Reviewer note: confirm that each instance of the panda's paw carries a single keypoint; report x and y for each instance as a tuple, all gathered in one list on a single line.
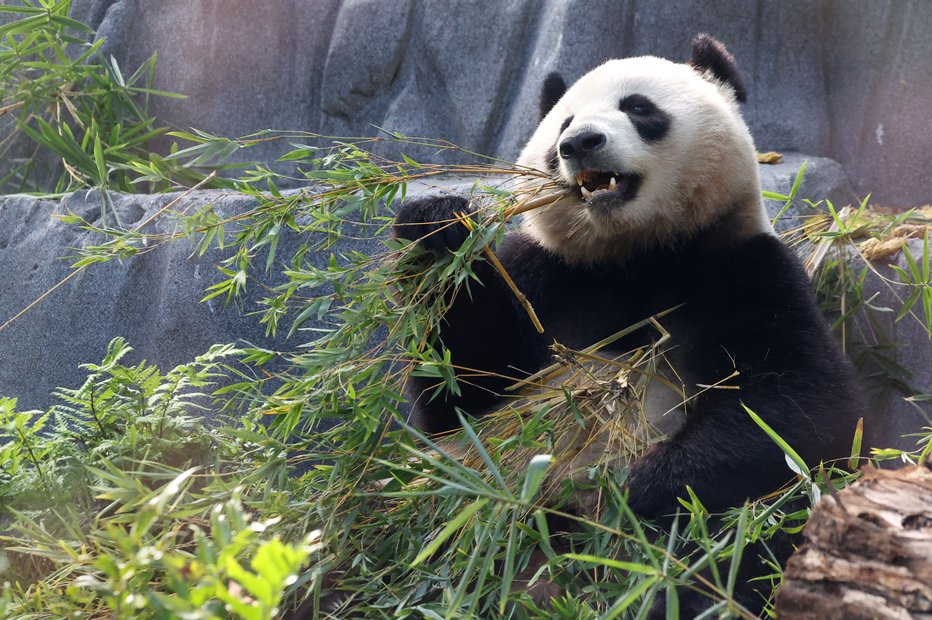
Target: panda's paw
[(433, 222)]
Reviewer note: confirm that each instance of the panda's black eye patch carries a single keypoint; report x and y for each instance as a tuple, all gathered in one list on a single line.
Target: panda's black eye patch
[(566, 123), (637, 104), (651, 123)]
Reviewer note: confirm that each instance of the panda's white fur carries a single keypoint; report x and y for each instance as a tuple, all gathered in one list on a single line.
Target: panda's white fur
[(703, 170)]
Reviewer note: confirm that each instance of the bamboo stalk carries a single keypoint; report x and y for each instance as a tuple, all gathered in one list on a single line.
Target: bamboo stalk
[(527, 204), (497, 264), (530, 203)]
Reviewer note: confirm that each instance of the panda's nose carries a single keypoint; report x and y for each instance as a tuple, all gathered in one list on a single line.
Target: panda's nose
[(580, 145)]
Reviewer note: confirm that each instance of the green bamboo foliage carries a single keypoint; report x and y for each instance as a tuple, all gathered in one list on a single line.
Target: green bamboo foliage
[(73, 117)]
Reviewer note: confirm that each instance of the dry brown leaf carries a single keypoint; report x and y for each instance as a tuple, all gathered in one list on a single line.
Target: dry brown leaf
[(770, 157)]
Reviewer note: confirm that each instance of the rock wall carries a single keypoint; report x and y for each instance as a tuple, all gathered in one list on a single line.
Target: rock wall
[(845, 79), (151, 299)]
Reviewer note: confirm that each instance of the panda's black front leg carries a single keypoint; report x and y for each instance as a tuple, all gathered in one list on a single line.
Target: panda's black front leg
[(492, 343), (726, 459), (720, 453), (661, 476)]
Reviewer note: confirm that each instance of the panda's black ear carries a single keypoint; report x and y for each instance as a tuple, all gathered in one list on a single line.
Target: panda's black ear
[(554, 88), (710, 55)]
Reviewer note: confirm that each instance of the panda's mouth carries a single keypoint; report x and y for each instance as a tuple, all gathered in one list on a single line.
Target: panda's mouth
[(597, 184)]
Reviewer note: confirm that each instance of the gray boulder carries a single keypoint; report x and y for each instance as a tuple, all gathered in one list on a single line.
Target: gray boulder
[(151, 299), (903, 346), (844, 79), (823, 179)]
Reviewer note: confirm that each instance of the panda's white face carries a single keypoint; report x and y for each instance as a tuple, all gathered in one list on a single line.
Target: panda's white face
[(653, 152)]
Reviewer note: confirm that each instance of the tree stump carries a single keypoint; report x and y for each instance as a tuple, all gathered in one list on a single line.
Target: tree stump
[(868, 552)]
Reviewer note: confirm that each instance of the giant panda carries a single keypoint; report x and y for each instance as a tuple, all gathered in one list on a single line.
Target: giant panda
[(663, 211)]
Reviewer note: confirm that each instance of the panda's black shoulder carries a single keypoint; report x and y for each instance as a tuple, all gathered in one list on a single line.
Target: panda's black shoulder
[(764, 247), (758, 298), (752, 289), (767, 261)]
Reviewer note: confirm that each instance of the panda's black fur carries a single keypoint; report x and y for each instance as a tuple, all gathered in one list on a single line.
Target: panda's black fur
[(745, 305), (747, 308)]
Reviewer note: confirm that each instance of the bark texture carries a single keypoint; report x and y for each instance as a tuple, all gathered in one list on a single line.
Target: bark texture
[(868, 552)]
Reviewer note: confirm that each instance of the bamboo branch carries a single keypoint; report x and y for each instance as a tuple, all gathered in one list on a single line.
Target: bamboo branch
[(553, 369), (530, 203), (497, 264)]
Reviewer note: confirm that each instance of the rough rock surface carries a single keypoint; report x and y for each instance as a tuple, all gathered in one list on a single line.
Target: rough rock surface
[(905, 343), (150, 299), (845, 79), (823, 179)]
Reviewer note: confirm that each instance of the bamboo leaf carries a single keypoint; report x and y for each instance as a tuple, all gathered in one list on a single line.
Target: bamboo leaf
[(451, 528), (630, 598), (791, 454), (630, 567), (856, 445)]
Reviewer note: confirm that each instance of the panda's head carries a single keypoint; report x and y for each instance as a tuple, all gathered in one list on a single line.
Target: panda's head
[(653, 152)]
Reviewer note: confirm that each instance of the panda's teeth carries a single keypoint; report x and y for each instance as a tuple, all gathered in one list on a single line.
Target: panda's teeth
[(586, 194), (611, 185), (579, 179)]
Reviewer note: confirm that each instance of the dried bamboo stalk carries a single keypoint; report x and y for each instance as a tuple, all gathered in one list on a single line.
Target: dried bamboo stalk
[(530, 203)]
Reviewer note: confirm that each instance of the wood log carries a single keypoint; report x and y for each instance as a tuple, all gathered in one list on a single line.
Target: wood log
[(868, 552)]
